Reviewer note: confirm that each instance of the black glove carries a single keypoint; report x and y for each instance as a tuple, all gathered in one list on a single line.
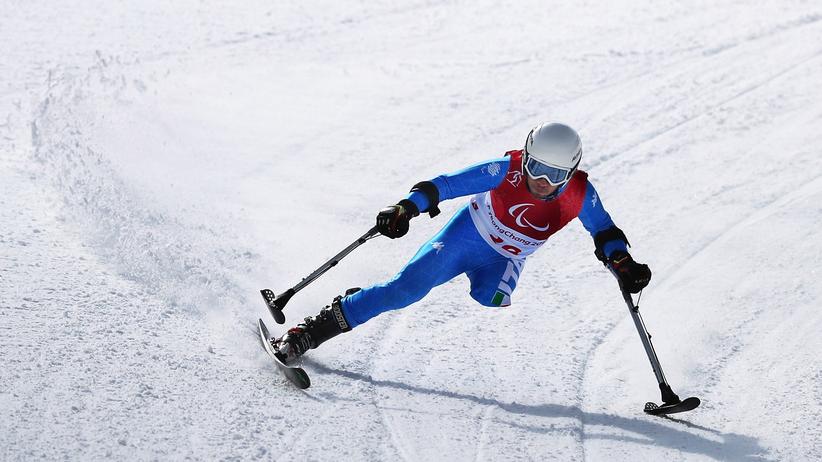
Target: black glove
[(393, 220), (632, 276)]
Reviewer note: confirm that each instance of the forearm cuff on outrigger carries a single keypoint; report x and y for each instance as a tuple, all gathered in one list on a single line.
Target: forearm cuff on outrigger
[(431, 193), (603, 240)]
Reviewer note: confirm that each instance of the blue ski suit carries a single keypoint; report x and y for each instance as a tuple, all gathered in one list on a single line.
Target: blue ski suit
[(460, 247)]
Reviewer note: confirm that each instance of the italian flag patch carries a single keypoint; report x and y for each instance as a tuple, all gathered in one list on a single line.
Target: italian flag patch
[(498, 298)]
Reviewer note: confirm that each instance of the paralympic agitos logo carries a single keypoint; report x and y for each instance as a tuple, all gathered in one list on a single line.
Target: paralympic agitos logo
[(518, 213)]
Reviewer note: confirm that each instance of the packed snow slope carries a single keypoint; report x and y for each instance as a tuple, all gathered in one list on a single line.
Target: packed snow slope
[(161, 162)]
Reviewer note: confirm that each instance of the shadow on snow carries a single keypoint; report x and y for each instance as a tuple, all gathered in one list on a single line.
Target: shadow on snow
[(732, 446)]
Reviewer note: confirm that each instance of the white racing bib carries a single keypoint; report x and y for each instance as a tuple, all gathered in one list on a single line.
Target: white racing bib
[(508, 242)]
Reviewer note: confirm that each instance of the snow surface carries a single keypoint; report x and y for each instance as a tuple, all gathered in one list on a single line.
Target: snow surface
[(163, 161)]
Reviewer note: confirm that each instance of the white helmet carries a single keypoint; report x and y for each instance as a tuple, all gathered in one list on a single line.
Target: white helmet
[(552, 152)]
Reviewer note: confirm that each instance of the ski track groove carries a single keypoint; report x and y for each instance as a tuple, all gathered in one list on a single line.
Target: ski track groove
[(304, 434), (809, 187), (663, 131), (517, 122), (389, 428), (485, 417), (753, 87), (373, 398), (392, 435)]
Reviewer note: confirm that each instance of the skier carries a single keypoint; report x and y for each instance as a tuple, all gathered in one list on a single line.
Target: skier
[(518, 201)]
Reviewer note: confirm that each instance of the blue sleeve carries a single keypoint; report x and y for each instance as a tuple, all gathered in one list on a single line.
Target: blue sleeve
[(595, 218), (477, 178)]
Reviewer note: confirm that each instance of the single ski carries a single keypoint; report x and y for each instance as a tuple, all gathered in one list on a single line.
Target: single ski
[(294, 374), (672, 408)]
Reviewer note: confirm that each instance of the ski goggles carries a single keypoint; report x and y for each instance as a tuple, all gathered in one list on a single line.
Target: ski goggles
[(556, 176)]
